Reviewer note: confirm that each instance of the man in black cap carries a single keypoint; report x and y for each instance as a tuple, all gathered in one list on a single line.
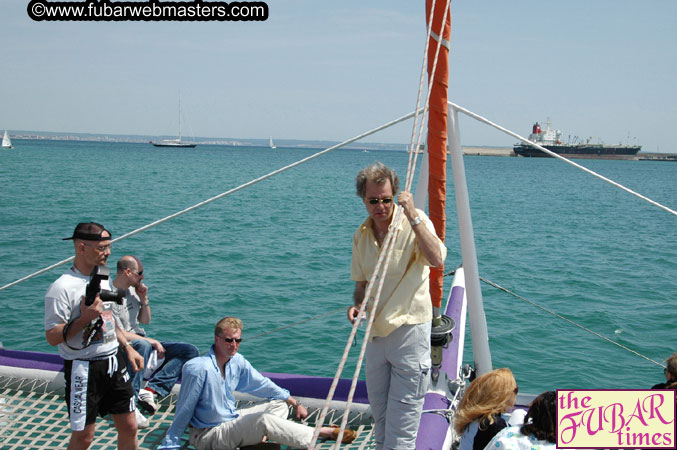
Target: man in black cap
[(96, 375)]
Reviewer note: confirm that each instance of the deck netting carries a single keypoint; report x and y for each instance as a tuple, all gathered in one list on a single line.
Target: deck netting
[(32, 417)]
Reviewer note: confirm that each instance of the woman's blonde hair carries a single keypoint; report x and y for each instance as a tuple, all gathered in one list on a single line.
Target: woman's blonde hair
[(489, 395)]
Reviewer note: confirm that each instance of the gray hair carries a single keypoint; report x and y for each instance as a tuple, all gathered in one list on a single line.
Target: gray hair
[(671, 364), (376, 173)]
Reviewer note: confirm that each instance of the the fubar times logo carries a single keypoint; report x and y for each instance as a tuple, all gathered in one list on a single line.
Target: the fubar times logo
[(613, 418)]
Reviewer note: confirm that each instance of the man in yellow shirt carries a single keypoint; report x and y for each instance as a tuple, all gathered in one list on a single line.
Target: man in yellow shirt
[(398, 353)]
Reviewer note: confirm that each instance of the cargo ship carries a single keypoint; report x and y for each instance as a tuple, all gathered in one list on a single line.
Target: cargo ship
[(551, 139)]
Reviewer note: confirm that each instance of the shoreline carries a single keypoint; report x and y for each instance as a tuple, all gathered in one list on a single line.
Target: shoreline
[(468, 150), (487, 151)]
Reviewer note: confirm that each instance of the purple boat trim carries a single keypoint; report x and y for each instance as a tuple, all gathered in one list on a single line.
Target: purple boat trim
[(452, 355), (31, 360), (432, 430), (299, 385), (318, 387)]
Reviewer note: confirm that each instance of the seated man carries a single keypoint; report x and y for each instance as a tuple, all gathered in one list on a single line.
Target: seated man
[(207, 404), (135, 309)]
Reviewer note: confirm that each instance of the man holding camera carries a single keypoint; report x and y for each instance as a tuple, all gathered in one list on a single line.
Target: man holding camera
[(83, 328), (135, 309)]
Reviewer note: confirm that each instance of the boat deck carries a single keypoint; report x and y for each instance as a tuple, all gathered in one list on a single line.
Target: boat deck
[(31, 416)]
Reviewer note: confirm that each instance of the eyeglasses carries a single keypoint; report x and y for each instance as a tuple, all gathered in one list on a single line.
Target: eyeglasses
[(100, 248), (230, 340), (376, 201), (138, 273)]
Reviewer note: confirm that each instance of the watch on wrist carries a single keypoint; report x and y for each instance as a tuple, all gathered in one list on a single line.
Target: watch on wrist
[(417, 220)]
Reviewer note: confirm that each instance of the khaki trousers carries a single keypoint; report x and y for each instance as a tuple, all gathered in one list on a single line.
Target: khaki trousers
[(397, 372), (268, 419)]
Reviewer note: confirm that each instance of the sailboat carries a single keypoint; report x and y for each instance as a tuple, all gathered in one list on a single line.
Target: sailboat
[(272, 146), (175, 142), (6, 142)]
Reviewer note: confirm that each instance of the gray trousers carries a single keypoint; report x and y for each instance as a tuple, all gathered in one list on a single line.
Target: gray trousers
[(397, 373), (267, 419)]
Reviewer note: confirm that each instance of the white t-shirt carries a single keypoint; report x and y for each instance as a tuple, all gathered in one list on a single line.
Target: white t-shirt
[(62, 305), (127, 314), (512, 439)]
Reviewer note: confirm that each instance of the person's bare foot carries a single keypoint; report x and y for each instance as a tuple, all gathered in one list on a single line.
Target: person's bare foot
[(333, 432)]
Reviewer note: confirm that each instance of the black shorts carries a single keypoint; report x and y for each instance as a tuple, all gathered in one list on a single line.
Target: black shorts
[(97, 387)]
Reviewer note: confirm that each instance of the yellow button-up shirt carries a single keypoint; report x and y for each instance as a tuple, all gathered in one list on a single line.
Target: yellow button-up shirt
[(405, 298)]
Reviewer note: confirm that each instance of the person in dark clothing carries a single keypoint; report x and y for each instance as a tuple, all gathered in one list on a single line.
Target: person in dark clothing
[(670, 372)]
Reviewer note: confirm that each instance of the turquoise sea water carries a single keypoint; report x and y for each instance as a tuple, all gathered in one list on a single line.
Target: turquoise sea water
[(279, 252)]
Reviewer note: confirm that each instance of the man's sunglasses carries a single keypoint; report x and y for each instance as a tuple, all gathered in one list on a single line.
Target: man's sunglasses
[(376, 201)]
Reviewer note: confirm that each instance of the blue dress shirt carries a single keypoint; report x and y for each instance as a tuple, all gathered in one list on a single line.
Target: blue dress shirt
[(206, 398)]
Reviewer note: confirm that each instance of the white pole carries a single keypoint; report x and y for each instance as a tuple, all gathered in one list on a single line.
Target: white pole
[(478, 322)]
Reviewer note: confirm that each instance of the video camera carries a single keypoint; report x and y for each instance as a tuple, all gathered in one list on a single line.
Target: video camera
[(94, 287)]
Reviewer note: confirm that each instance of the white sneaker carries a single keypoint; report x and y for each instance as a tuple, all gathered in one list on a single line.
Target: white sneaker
[(147, 401), (141, 422)]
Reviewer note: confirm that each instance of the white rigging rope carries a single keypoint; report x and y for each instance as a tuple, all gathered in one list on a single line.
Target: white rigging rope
[(412, 165), (556, 155)]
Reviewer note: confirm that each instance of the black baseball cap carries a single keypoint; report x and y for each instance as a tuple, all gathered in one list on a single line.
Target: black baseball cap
[(89, 231)]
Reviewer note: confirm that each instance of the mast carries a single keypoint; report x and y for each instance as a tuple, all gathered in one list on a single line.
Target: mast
[(179, 117), (437, 153), (437, 138)]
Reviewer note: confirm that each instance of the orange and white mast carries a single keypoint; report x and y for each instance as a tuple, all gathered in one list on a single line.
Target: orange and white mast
[(437, 135)]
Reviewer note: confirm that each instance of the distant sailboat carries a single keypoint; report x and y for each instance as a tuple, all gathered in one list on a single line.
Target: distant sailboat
[(272, 146), (6, 142), (174, 142)]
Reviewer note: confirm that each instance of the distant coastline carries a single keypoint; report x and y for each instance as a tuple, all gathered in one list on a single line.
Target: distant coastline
[(470, 150), (242, 142)]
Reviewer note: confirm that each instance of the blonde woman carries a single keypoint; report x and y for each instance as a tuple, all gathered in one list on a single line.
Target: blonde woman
[(478, 417)]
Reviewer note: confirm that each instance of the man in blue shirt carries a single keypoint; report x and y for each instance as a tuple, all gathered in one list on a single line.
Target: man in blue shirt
[(206, 402)]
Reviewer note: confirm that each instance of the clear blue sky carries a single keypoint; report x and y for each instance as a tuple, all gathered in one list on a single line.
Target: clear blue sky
[(331, 69)]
